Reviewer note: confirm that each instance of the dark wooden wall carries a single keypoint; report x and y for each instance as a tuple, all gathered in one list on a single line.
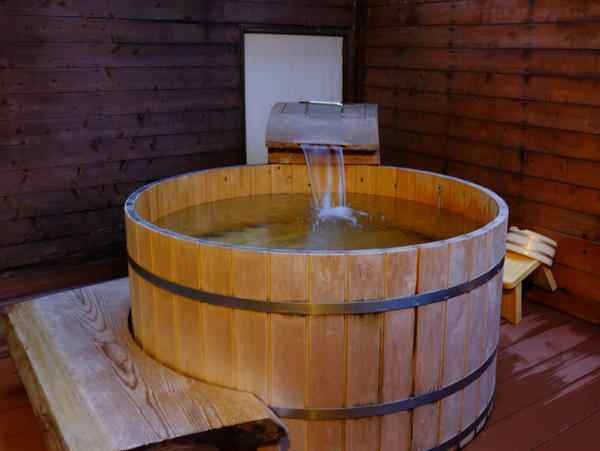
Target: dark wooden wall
[(505, 93), (98, 99)]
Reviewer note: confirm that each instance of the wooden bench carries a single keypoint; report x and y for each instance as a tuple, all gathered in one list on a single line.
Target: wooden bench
[(93, 388), (516, 268)]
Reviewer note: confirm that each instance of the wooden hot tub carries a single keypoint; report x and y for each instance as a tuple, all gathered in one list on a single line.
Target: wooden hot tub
[(377, 349)]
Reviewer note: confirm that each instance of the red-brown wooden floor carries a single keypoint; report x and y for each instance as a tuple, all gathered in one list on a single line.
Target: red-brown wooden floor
[(547, 390)]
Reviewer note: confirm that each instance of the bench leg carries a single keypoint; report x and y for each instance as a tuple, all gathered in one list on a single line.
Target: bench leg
[(511, 304), (544, 278)]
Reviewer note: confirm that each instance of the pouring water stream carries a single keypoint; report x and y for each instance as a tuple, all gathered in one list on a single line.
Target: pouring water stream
[(326, 174)]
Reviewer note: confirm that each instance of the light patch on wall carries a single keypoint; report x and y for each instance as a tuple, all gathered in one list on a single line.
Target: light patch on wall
[(286, 68)]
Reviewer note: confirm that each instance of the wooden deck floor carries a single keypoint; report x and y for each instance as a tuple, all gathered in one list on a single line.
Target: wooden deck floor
[(547, 391)]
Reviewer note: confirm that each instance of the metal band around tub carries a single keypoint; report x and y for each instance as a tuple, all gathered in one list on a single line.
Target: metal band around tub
[(342, 308), (453, 441), (344, 413), (317, 308)]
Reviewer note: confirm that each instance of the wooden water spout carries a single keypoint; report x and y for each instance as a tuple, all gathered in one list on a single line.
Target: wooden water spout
[(353, 127)]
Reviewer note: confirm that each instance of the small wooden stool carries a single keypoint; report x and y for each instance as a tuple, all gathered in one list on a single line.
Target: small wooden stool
[(516, 268), (93, 388)]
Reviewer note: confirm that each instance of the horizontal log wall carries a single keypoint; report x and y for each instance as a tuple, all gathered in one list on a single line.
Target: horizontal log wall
[(505, 93), (98, 99)]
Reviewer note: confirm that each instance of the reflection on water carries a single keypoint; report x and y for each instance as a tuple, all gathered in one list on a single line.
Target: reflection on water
[(289, 221)]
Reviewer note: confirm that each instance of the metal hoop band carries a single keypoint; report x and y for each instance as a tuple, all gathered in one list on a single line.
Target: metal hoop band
[(343, 413), (317, 308)]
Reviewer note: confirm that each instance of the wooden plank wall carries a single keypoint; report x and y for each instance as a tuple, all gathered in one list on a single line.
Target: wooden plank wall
[(505, 93), (98, 99)]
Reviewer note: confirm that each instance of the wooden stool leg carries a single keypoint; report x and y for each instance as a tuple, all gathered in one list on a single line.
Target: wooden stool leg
[(545, 279), (511, 304)]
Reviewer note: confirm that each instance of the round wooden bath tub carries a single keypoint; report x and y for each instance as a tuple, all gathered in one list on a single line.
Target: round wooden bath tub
[(384, 349)]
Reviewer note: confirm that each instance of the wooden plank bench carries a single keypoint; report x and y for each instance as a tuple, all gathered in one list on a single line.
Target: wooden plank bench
[(92, 387), (516, 269)]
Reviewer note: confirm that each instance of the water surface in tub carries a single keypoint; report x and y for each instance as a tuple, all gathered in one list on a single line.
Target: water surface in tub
[(289, 221)]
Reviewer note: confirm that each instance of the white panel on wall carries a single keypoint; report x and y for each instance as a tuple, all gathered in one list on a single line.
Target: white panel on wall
[(286, 68)]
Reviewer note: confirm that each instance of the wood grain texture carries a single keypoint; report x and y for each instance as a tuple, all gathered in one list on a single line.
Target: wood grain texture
[(455, 339), (288, 366), (288, 276), (188, 313), (475, 331), (525, 387), (89, 382), (547, 368), (429, 341), (505, 96), (98, 102)]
